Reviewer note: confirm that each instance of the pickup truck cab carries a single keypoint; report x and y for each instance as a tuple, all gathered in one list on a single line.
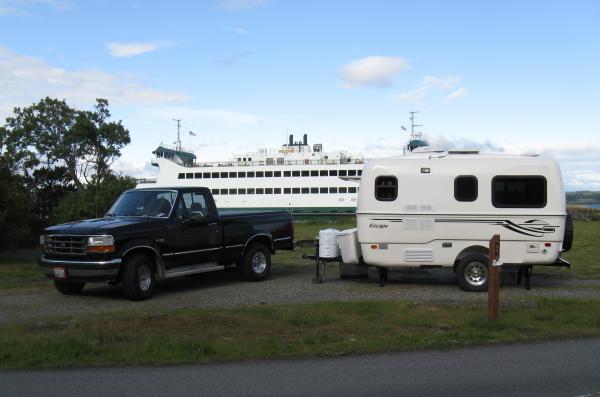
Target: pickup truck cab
[(158, 233)]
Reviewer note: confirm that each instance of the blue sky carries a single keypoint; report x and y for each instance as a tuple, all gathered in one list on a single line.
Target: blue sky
[(242, 74)]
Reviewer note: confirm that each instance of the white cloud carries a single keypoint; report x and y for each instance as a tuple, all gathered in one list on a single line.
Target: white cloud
[(126, 50), (239, 5), (428, 84), (224, 116), (375, 71), (237, 29), (461, 92), (25, 79), (26, 7)]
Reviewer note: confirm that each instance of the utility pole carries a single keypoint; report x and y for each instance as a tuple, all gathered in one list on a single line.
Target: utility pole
[(178, 142)]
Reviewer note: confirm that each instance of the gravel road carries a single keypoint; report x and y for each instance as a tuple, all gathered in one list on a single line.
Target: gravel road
[(287, 284)]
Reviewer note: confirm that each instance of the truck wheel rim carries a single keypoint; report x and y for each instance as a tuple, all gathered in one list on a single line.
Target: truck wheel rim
[(476, 273), (259, 262), (144, 277)]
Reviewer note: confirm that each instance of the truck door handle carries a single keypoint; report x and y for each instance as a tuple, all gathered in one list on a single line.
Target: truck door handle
[(212, 224)]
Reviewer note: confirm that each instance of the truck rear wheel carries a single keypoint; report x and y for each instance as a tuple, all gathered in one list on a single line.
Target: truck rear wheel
[(138, 277), (256, 263), (472, 272), (68, 288)]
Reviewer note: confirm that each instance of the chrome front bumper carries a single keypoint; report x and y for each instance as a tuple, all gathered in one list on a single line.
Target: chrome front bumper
[(82, 270)]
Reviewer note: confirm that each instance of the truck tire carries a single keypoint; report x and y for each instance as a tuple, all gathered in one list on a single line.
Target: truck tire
[(68, 288), (472, 272), (138, 277), (568, 238), (256, 263)]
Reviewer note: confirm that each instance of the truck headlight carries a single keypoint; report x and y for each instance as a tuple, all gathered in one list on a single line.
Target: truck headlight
[(100, 244)]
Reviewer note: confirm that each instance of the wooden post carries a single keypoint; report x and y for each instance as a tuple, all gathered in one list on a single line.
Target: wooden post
[(494, 278)]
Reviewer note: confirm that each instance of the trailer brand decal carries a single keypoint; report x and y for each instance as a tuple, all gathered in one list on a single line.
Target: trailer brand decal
[(533, 227), (377, 226)]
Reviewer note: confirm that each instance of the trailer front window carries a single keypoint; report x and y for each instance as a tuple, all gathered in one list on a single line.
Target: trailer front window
[(386, 188)]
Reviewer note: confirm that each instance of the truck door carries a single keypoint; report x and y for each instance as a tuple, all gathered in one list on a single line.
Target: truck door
[(196, 232)]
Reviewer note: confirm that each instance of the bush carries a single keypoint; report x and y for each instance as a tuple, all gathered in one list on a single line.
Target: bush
[(584, 213)]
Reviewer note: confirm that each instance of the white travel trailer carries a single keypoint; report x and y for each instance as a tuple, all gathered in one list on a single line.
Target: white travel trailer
[(441, 209)]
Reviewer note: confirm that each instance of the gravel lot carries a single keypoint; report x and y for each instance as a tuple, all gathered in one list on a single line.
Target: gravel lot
[(287, 284)]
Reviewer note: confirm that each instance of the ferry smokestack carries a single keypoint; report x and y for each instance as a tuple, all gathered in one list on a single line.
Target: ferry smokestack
[(291, 139), (306, 139)]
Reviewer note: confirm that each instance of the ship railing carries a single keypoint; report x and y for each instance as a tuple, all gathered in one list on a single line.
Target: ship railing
[(287, 162), (145, 180)]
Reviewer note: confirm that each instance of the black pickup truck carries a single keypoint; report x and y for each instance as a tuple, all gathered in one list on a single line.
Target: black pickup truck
[(159, 233)]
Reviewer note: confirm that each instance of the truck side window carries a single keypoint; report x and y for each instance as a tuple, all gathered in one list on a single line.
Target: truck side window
[(465, 188), (192, 205), (512, 191), (386, 188)]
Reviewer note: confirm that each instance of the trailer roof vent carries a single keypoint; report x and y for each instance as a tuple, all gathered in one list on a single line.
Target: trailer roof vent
[(531, 154), (463, 151)]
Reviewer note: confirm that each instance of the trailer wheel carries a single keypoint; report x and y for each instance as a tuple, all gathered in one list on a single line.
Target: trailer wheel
[(138, 277), (256, 263), (68, 288), (472, 272)]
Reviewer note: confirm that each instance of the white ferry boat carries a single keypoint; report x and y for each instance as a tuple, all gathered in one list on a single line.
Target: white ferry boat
[(296, 177)]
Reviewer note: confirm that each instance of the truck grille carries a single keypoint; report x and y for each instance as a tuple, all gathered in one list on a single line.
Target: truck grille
[(66, 245)]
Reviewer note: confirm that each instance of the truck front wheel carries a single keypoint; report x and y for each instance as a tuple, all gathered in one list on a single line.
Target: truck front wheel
[(472, 272), (68, 288), (138, 277), (256, 263)]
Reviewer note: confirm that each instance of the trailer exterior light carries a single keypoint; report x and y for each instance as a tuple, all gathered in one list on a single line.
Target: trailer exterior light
[(100, 244), (374, 246)]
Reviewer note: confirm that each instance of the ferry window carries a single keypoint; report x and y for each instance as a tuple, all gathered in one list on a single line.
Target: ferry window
[(351, 190), (277, 190), (323, 190), (232, 174), (232, 191), (269, 190), (333, 190), (260, 174), (287, 190), (343, 173), (343, 190), (295, 173), (465, 188), (287, 173), (181, 175), (239, 159), (249, 158), (269, 160), (386, 188), (305, 190), (277, 174), (314, 190), (260, 191), (332, 172), (519, 191), (359, 172), (250, 191), (242, 191), (215, 192), (241, 174), (296, 190), (305, 173), (189, 175), (206, 175), (314, 173), (268, 174), (351, 172), (250, 174), (198, 175), (224, 175), (323, 172), (215, 174), (224, 191)]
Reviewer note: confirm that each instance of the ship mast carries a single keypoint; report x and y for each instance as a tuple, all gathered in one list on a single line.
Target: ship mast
[(413, 125), (178, 142)]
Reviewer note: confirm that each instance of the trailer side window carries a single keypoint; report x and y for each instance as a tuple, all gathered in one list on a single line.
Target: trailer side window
[(386, 188), (519, 191), (465, 188)]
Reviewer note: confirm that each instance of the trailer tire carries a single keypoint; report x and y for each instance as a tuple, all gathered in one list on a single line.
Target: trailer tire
[(138, 277), (472, 272), (256, 263), (68, 288)]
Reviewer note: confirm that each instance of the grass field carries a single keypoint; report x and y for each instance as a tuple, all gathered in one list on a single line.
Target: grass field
[(283, 331)]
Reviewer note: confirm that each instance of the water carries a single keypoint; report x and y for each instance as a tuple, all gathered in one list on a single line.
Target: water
[(593, 206)]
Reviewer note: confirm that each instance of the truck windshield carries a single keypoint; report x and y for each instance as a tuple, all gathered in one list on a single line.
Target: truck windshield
[(153, 203)]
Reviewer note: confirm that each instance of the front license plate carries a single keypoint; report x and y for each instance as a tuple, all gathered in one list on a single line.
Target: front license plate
[(60, 272)]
